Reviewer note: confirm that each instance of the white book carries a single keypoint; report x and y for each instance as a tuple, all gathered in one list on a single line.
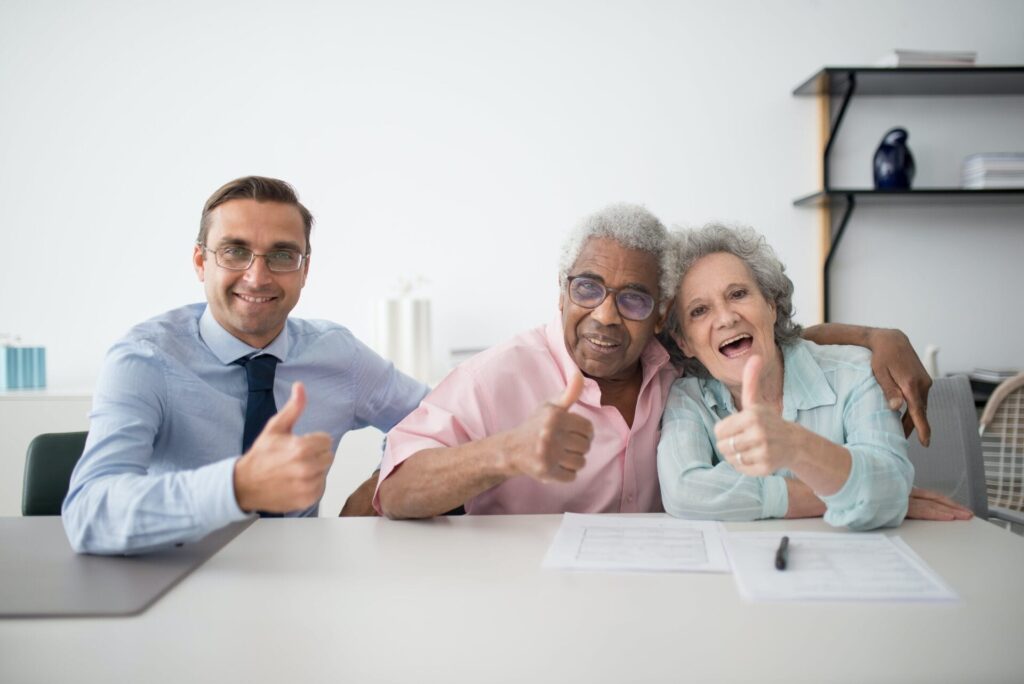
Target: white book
[(903, 58)]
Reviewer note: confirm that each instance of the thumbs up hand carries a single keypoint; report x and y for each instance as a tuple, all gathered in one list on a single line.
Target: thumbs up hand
[(283, 471), (756, 440), (552, 443)]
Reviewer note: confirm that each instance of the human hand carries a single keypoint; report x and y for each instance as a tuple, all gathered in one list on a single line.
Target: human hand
[(360, 502), (282, 471), (756, 440), (551, 444), (902, 377), (928, 505)]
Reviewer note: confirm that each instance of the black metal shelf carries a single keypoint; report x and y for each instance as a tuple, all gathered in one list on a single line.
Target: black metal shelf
[(839, 84), (916, 195), (914, 81)]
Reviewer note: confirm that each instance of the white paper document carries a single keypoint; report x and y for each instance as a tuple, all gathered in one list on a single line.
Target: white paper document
[(832, 566), (608, 542)]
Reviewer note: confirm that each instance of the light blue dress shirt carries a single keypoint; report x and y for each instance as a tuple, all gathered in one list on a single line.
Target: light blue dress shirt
[(829, 390), (167, 419)]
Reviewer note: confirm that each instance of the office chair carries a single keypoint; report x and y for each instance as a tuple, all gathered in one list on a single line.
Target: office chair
[(953, 464), (1002, 444), (48, 464)]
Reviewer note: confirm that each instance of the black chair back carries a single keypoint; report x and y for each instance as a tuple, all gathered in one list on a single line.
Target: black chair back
[(48, 464)]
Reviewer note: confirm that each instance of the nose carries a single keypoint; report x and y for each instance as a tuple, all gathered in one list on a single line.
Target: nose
[(607, 313), (725, 317), (258, 274)]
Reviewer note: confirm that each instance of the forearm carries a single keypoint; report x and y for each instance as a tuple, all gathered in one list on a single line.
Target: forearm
[(838, 333), (819, 463), (803, 502), (434, 481), (705, 492), (127, 513)]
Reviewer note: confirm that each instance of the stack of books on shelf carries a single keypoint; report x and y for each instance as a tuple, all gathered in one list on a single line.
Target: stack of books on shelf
[(928, 58), (994, 170)]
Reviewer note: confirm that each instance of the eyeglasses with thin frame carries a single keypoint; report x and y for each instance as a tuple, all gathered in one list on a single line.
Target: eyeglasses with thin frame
[(238, 258), (590, 293)]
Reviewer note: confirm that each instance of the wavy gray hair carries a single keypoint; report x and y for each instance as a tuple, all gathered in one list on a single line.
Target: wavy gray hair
[(632, 226), (769, 274)]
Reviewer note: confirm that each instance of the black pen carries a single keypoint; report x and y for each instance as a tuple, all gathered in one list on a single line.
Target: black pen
[(782, 554)]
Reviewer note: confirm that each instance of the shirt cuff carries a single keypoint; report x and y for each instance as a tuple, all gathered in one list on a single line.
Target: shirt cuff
[(215, 492), (775, 497), (848, 495)]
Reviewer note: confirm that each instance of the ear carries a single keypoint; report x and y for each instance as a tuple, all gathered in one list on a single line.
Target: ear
[(305, 272), (199, 263), (561, 297)]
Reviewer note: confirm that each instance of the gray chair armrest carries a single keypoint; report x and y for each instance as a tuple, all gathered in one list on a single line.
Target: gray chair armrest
[(1005, 514)]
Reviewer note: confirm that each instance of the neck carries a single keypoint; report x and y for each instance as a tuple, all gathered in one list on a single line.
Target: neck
[(622, 392)]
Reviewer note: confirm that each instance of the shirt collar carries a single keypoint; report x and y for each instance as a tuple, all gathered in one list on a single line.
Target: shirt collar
[(228, 348), (804, 385), (653, 359)]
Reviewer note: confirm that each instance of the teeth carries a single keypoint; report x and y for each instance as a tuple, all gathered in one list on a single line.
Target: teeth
[(733, 339), (598, 343), (254, 300)]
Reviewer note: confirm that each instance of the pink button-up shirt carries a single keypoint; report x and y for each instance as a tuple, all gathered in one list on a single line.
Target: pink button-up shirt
[(500, 388)]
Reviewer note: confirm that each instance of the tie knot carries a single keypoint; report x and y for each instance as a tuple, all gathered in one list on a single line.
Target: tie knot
[(259, 371)]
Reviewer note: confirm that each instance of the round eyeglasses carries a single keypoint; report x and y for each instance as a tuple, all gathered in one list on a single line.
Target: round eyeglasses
[(237, 258), (590, 293)]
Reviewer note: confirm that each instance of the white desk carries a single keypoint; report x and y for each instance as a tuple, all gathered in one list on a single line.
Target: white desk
[(465, 600)]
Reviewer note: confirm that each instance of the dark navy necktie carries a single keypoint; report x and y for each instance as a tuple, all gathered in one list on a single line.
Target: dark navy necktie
[(260, 405)]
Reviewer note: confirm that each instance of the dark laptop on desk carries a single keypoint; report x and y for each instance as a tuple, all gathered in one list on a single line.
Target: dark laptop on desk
[(40, 576)]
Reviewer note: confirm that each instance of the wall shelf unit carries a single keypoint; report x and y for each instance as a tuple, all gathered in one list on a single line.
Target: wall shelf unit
[(835, 88)]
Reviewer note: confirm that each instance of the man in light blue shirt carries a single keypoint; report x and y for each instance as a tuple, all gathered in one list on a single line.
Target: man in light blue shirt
[(164, 461)]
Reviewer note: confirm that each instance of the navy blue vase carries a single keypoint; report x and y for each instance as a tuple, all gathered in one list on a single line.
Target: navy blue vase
[(894, 165)]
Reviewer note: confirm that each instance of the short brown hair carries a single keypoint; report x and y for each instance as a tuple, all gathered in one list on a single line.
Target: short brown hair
[(259, 188)]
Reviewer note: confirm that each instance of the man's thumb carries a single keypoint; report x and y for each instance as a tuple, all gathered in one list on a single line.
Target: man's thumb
[(285, 419), (572, 391), (752, 380)]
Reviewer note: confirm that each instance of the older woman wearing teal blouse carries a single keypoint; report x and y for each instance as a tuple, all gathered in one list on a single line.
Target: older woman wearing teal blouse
[(764, 424)]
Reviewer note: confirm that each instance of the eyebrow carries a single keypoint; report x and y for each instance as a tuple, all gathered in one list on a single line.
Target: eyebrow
[(700, 300), (639, 287), (282, 244)]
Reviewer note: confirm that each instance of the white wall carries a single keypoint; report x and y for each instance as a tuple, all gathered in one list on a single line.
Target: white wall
[(459, 140)]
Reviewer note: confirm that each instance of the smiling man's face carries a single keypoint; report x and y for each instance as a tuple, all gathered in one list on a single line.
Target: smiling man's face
[(254, 304), (604, 344)]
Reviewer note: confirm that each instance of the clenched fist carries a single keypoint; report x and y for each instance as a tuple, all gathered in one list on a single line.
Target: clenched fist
[(283, 471), (552, 443)]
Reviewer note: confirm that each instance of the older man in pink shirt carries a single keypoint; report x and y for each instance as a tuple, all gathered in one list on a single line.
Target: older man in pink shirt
[(519, 429)]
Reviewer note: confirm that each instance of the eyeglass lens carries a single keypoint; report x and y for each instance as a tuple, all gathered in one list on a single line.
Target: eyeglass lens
[(240, 258), (632, 304)]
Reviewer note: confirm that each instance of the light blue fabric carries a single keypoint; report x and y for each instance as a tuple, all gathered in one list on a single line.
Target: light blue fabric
[(167, 419), (827, 389)]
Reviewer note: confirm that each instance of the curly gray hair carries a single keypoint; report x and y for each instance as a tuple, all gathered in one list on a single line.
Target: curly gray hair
[(769, 274), (632, 226)]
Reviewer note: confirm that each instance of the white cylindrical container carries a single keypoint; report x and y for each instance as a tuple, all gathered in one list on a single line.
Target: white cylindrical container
[(403, 335)]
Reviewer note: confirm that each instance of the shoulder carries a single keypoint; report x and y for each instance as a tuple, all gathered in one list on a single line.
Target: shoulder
[(832, 358), (689, 394), (526, 353), (326, 341), (174, 333)]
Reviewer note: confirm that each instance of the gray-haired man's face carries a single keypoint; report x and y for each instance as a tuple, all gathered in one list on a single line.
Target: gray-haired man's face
[(604, 344)]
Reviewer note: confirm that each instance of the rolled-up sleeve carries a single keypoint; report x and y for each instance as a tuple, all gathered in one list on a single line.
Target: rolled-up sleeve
[(695, 481), (876, 492)]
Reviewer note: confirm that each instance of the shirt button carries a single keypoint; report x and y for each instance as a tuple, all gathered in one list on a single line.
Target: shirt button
[(629, 499)]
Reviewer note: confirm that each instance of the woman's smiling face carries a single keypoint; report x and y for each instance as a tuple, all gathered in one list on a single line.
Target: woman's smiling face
[(724, 317)]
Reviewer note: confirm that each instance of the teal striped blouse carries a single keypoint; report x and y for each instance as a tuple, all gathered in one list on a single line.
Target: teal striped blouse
[(827, 389)]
